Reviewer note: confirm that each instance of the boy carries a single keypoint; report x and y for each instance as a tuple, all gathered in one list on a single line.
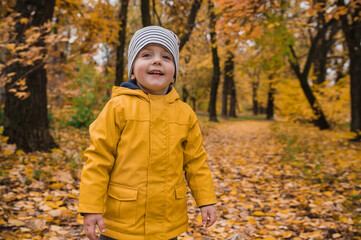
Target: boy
[(132, 184)]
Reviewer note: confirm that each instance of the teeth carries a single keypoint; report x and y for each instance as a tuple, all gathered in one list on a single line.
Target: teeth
[(156, 72)]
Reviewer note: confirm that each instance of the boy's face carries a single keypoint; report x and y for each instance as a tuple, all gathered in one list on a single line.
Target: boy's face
[(154, 69)]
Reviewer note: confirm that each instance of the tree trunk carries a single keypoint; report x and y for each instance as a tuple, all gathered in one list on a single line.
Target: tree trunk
[(26, 121), (216, 68), (228, 72), (190, 23), (270, 100), (119, 65), (320, 120), (185, 93), (154, 7), (324, 44), (233, 101), (145, 9), (228, 85), (254, 97), (194, 102), (355, 75), (352, 31)]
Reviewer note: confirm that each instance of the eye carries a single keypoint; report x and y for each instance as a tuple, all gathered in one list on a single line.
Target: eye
[(146, 54), (167, 57)]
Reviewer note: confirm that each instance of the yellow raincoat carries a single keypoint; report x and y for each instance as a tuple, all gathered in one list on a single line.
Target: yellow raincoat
[(133, 174)]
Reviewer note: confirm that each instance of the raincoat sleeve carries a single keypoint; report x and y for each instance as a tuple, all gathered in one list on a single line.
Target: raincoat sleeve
[(104, 134), (197, 172)]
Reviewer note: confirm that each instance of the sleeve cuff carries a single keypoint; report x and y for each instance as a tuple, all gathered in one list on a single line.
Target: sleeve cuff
[(207, 205)]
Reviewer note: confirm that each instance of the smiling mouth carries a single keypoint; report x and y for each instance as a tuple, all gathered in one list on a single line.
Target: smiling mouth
[(156, 73)]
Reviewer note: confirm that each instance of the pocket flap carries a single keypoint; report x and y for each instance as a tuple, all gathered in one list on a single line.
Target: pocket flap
[(181, 191), (122, 193)]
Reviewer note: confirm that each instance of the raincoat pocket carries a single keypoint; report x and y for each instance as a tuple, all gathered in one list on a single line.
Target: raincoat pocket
[(180, 203), (120, 204)]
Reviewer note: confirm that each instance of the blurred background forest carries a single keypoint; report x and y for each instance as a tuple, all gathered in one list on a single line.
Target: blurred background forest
[(291, 60), (296, 62)]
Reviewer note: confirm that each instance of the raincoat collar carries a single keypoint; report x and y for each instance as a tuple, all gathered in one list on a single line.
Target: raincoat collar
[(170, 97), (133, 85)]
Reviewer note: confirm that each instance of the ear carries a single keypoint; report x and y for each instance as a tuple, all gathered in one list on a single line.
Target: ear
[(132, 76)]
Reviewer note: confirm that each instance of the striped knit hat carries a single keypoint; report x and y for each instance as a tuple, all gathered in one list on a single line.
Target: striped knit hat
[(155, 35)]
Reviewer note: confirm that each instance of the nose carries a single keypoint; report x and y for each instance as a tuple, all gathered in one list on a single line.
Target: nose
[(157, 59)]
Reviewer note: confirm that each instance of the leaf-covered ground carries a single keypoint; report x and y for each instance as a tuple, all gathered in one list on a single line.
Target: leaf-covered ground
[(272, 180)]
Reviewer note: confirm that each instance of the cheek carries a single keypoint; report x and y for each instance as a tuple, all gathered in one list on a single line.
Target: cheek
[(139, 69), (171, 69)]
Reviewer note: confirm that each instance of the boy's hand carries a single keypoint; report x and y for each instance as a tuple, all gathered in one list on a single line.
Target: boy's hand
[(90, 221), (209, 215)]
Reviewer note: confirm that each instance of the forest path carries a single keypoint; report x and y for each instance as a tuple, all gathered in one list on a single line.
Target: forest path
[(261, 193)]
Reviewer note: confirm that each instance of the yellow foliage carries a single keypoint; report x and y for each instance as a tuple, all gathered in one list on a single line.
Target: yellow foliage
[(291, 102)]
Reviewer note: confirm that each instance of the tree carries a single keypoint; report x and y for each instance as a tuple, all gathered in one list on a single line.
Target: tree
[(324, 44), (229, 90), (226, 85), (255, 85), (215, 60), (26, 120), (119, 65), (233, 94), (302, 76), (351, 27), (181, 18), (190, 23), (270, 98), (145, 9)]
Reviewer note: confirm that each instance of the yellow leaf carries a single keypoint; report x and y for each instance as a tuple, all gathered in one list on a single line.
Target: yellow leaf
[(50, 204), (258, 213), (79, 219), (11, 46), (199, 219), (269, 238), (251, 220), (346, 220), (7, 153), (56, 185), (287, 234), (24, 20), (4, 138), (47, 218), (26, 235), (328, 193), (19, 152), (72, 196), (21, 82)]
